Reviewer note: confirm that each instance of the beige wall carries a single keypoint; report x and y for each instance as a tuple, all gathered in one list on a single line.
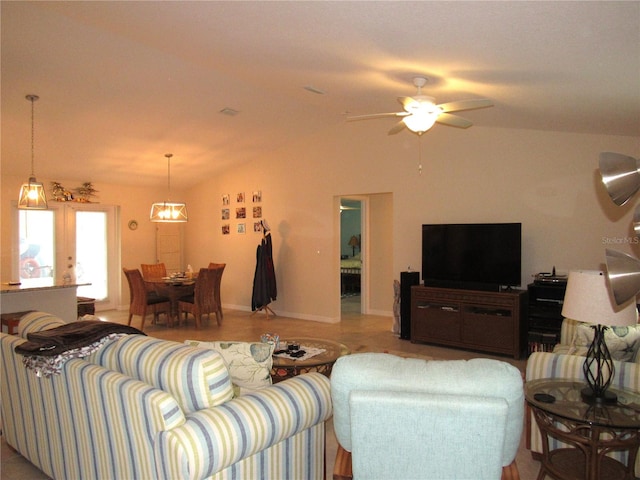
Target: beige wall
[(380, 259), (545, 180)]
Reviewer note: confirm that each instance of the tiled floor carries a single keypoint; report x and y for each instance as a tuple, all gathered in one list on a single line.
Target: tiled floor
[(358, 332)]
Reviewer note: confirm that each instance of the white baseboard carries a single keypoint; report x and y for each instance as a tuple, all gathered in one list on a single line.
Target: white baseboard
[(299, 316)]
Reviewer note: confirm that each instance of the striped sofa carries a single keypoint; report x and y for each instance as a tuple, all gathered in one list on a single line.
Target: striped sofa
[(144, 408), (560, 364)]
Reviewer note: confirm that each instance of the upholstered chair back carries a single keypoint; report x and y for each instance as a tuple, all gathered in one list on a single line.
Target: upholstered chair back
[(412, 418)]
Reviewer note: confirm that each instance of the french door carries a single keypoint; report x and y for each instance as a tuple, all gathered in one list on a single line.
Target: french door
[(71, 241)]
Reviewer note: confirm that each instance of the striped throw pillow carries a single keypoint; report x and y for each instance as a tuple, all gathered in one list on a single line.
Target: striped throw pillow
[(196, 378)]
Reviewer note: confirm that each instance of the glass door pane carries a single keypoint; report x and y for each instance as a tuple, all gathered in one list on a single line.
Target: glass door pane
[(91, 254), (36, 264)]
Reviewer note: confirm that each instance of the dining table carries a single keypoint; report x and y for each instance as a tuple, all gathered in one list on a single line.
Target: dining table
[(173, 288)]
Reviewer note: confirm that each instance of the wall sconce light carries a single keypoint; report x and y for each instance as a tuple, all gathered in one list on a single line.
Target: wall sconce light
[(32, 193)]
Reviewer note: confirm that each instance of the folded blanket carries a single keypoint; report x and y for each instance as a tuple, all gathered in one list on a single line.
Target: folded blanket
[(71, 336)]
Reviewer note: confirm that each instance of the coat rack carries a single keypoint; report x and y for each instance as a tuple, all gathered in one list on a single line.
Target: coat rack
[(264, 280)]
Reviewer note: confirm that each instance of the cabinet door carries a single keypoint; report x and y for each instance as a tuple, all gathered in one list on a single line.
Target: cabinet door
[(436, 322), (488, 327)]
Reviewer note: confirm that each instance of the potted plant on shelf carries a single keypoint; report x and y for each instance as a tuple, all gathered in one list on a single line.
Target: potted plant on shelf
[(85, 192)]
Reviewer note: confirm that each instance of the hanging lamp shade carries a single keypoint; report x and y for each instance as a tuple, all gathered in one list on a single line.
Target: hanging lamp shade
[(32, 193), (168, 211)]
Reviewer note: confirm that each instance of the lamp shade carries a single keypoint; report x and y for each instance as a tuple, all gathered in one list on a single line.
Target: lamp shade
[(620, 176), (623, 271), (636, 221), (587, 299), (32, 195), (168, 212)]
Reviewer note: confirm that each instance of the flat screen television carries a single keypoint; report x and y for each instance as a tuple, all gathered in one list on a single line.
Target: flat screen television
[(478, 256)]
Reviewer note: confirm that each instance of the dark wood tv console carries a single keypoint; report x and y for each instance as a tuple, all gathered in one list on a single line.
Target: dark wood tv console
[(492, 322)]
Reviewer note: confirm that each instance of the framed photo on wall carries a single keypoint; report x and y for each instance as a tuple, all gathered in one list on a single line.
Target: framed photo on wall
[(241, 228)]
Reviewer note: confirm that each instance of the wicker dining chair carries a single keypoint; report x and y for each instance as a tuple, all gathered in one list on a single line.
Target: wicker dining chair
[(153, 270), (203, 300), (141, 300), (216, 289)]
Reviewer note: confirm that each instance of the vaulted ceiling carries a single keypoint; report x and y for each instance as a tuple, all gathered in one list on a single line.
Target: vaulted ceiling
[(123, 83)]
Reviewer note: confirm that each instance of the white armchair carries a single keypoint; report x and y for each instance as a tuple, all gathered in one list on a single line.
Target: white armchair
[(409, 418)]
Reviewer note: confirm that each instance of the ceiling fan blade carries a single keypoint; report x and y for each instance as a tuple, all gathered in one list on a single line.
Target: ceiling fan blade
[(397, 128), (376, 115), (466, 105), (453, 120), (407, 101)]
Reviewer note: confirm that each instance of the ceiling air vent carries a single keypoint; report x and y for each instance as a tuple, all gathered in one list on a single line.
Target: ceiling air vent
[(229, 111)]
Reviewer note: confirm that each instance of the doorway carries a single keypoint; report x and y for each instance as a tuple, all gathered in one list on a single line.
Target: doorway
[(352, 238), (375, 252)]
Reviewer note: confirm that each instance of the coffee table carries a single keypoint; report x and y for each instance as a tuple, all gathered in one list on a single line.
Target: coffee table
[(284, 368), (591, 429)]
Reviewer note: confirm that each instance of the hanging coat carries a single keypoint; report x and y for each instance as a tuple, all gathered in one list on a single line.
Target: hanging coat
[(264, 280)]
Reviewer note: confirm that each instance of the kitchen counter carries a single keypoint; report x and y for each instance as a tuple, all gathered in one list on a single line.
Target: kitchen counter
[(58, 299)]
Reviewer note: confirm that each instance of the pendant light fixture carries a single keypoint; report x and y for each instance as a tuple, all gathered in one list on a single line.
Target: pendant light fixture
[(168, 212), (32, 194)]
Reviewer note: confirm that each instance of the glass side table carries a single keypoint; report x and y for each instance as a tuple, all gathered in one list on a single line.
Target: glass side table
[(591, 431)]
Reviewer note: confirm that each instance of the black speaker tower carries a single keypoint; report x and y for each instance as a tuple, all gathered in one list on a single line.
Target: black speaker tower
[(407, 280)]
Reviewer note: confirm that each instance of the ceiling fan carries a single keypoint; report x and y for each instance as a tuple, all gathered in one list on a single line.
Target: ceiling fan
[(421, 111)]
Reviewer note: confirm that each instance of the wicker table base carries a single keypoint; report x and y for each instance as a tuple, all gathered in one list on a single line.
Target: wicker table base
[(284, 368)]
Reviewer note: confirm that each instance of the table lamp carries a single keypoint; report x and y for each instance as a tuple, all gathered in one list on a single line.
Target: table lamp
[(353, 243), (587, 299)]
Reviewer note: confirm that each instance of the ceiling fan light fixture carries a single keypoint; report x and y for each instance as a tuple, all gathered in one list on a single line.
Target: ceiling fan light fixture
[(421, 111), (32, 193), (420, 122), (167, 211)]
